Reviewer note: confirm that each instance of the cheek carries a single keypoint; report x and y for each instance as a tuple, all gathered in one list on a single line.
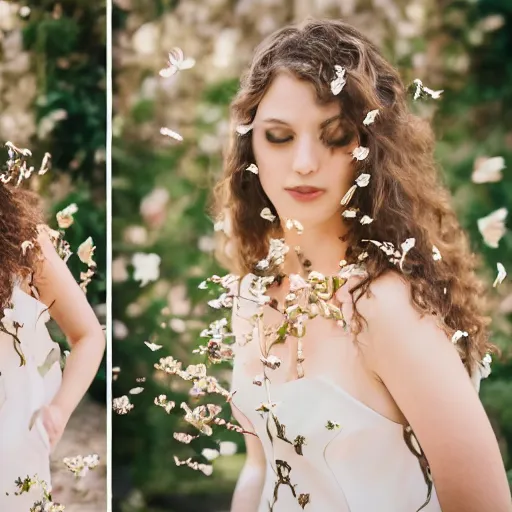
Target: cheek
[(272, 166), (342, 171)]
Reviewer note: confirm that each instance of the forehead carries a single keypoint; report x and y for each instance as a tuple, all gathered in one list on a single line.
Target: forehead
[(289, 98)]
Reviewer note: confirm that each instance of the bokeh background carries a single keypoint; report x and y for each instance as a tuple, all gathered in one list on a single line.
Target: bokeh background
[(161, 189), (53, 99)]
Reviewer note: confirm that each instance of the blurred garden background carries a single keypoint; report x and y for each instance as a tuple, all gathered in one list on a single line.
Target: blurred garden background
[(53, 99), (161, 188)]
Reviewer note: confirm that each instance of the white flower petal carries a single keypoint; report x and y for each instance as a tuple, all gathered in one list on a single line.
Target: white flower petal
[(339, 82), (153, 346), (363, 180), (502, 273), (267, 215), (243, 129), (348, 195), (436, 255), (171, 133), (252, 168), (86, 251), (492, 227), (147, 267), (458, 335), (350, 213), (370, 117), (366, 219), (488, 170), (360, 153), (227, 448), (210, 454)]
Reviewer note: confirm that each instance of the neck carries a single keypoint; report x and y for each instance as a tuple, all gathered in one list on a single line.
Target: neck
[(321, 245)]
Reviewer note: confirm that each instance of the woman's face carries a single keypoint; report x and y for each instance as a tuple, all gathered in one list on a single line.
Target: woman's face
[(303, 152)]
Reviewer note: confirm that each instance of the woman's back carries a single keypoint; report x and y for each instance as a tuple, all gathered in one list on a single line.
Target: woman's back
[(24, 389)]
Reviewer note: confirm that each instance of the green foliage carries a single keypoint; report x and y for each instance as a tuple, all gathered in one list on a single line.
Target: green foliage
[(67, 48)]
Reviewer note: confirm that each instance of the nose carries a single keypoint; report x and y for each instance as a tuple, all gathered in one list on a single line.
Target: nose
[(305, 158)]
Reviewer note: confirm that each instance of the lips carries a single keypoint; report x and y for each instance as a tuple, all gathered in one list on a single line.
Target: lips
[(305, 193), (305, 190)]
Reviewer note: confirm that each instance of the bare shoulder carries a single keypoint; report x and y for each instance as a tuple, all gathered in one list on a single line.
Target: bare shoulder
[(414, 358), (387, 306), (397, 336), (390, 293)]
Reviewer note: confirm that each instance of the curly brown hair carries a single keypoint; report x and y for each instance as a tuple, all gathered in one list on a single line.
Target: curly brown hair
[(20, 216), (406, 196)]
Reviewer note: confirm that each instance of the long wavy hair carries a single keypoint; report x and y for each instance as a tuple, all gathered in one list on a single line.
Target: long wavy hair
[(20, 216), (406, 196)]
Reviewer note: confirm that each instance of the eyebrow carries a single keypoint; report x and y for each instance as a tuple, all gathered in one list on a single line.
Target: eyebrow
[(323, 124)]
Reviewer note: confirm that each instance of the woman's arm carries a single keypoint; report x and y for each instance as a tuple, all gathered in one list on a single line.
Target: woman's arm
[(70, 309), (249, 487), (247, 495), (423, 372)]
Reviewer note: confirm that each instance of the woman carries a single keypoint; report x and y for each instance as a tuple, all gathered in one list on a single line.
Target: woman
[(36, 400), (329, 164)]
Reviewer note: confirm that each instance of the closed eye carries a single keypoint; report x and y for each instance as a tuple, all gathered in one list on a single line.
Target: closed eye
[(277, 140), (338, 143)]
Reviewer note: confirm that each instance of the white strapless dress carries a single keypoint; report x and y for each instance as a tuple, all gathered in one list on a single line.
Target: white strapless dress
[(353, 459), (25, 451)]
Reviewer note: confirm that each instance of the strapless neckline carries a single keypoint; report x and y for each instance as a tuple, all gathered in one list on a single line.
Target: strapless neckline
[(280, 387)]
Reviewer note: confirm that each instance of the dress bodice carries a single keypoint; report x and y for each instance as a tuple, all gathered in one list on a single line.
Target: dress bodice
[(326, 450)]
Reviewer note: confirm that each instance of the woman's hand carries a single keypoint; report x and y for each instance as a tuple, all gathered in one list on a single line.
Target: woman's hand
[(54, 420)]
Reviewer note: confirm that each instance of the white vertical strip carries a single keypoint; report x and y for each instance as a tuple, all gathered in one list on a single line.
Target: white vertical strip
[(109, 255)]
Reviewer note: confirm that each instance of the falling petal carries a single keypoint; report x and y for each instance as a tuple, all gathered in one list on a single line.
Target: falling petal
[(339, 82), (360, 153), (366, 219), (258, 380), (45, 164), (172, 134), (136, 391), (492, 227), (147, 267), (458, 335), (65, 216), (177, 62), (488, 170), (27, 244), (350, 213), (406, 247), (252, 168), (122, 405), (271, 362), (267, 215), (243, 129), (370, 117), (363, 180), (348, 196), (434, 94), (153, 346), (294, 224), (227, 448), (502, 273), (86, 251), (419, 86), (184, 438), (436, 255), (210, 454)]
